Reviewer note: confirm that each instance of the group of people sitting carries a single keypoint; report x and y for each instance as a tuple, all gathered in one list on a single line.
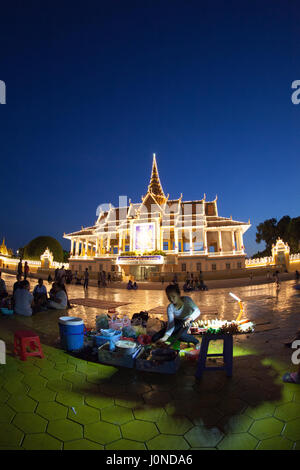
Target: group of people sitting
[(25, 303), (194, 284), (132, 285)]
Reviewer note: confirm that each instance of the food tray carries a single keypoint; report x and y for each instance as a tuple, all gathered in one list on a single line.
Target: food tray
[(116, 358)]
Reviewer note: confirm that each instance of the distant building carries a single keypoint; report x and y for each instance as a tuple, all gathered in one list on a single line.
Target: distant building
[(159, 236)]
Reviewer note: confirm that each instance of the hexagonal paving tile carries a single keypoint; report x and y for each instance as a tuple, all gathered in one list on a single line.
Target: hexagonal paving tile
[(132, 401), (288, 411), (116, 414), (22, 403), (82, 444), (242, 441), (84, 414), (99, 401), (149, 414), (52, 410), (236, 424), (174, 425), (59, 385), (125, 444), (266, 427), (51, 374), (41, 442), (4, 395), (201, 436), (65, 367), (165, 442), (261, 411), (30, 423), (42, 395), (292, 430), (74, 377), (275, 443), (15, 386), (65, 430), (10, 435), (101, 432), (6, 414), (43, 363), (139, 431), (70, 399), (35, 381)]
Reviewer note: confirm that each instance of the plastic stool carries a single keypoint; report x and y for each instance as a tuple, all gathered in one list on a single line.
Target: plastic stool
[(27, 339), (227, 354)]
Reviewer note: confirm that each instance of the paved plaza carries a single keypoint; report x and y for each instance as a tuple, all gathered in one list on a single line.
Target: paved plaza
[(61, 402)]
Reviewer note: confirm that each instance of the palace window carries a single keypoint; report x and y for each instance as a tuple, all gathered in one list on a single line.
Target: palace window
[(165, 246), (212, 248), (100, 267), (113, 268), (115, 250), (227, 265), (239, 265), (198, 267), (186, 246), (198, 246), (213, 267), (90, 268), (183, 267), (127, 247)]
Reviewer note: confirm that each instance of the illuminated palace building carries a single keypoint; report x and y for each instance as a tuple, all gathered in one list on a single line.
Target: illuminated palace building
[(158, 237)]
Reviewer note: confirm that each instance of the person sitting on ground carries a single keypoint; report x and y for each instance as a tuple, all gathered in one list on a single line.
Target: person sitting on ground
[(202, 285), (50, 279), (181, 312), (186, 286), (292, 377), (40, 294), (58, 296), (129, 285), (23, 300), (18, 283), (135, 286), (3, 290)]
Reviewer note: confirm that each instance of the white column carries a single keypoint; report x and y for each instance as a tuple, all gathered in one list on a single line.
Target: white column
[(220, 240), (191, 241), (120, 240), (97, 246), (233, 240), (241, 240), (108, 242), (86, 247), (205, 241), (72, 247), (176, 240), (238, 241), (77, 248)]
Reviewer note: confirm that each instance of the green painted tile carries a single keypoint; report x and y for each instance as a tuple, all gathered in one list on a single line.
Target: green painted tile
[(99, 401), (10, 435), (288, 411), (74, 377), (44, 363), (266, 427), (236, 424), (82, 444), (30, 369), (84, 415), (297, 397), (275, 443), (242, 441), (70, 398), (64, 367), (165, 442), (297, 445), (30, 423), (6, 414), (42, 394), (261, 411), (292, 430), (51, 374), (174, 425), (116, 414), (41, 442), (59, 385), (15, 386), (149, 413), (101, 432), (125, 444), (129, 401), (10, 448), (52, 410), (22, 403), (65, 430), (35, 381), (201, 436), (139, 430)]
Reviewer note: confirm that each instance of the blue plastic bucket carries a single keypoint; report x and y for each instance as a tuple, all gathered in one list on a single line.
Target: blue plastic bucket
[(71, 331)]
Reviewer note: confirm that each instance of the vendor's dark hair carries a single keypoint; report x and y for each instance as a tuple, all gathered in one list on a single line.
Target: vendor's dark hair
[(172, 288)]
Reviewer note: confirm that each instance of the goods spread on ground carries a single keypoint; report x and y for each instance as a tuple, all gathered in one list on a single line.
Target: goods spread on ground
[(202, 327)]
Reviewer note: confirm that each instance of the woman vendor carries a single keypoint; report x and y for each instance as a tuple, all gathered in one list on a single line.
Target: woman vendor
[(181, 312)]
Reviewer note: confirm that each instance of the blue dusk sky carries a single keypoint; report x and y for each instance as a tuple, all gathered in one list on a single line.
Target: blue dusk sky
[(94, 88)]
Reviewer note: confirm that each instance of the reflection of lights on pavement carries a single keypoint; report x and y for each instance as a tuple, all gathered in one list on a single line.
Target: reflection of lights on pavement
[(234, 296), (240, 304)]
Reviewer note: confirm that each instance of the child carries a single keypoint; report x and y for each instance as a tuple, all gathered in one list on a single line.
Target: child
[(181, 311)]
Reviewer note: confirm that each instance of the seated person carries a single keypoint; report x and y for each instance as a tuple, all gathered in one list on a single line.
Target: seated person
[(23, 300), (18, 283), (135, 286), (40, 294), (58, 297), (186, 286), (130, 285), (202, 285), (3, 290), (50, 279), (181, 311)]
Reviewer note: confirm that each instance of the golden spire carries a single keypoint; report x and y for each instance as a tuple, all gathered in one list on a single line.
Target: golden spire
[(155, 186)]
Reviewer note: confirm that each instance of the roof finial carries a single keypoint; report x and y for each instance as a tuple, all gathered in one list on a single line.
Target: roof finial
[(155, 186)]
